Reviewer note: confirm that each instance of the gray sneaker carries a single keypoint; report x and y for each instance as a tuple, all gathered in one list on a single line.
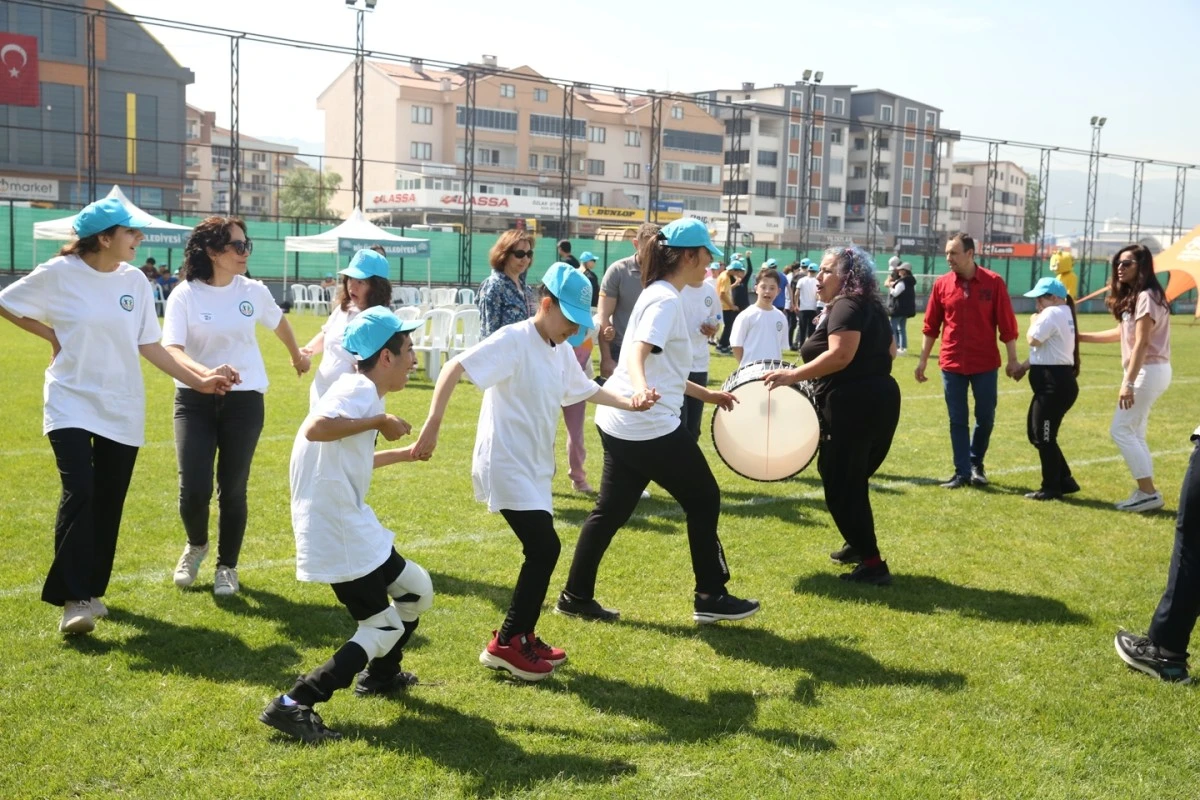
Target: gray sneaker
[(226, 582), (99, 610), (189, 565), (77, 617)]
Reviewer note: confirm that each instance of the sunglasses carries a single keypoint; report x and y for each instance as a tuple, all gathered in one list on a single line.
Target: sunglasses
[(522, 253), (243, 247), (1126, 262)]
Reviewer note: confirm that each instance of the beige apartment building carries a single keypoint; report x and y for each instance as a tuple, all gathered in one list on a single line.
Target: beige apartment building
[(968, 191)]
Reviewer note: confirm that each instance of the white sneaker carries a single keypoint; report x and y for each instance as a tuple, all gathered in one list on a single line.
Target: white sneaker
[(77, 617), (1140, 501), (99, 610), (189, 565), (226, 582)]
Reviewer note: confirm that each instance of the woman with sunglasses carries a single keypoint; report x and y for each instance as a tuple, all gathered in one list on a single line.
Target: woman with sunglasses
[(504, 296), (1138, 301), (210, 319)]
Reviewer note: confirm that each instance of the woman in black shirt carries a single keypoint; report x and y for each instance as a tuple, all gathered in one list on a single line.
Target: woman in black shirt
[(848, 361)]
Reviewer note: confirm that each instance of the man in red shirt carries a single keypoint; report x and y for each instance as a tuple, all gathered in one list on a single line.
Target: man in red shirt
[(968, 306)]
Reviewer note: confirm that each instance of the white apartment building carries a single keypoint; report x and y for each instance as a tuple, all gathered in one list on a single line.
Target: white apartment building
[(968, 192)]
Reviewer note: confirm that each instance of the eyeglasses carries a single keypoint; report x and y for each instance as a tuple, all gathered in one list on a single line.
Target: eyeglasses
[(522, 253), (1126, 262), (243, 247)]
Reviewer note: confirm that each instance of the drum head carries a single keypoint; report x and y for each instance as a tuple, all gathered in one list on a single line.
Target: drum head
[(769, 436)]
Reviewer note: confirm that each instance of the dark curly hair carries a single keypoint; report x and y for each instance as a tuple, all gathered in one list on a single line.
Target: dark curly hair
[(211, 234), (1122, 297), (857, 270), (379, 293)]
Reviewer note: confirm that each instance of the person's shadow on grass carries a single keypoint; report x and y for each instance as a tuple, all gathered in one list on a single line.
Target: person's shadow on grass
[(307, 624), (491, 764), (926, 594)]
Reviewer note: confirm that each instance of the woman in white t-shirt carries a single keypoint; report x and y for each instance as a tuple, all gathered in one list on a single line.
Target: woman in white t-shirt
[(1053, 367), (702, 308), (97, 313), (210, 319), (1138, 301), (364, 285), (654, 446)]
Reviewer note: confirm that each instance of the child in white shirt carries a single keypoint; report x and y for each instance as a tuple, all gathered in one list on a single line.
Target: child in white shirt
[(760, 332)]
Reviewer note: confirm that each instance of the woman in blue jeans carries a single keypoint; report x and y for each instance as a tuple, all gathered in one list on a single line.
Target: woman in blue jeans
[(211, 318)]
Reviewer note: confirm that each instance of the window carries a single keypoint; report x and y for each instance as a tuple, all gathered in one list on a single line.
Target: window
[(834, 194), (929, 148), (488, 156), (818, 133), (737, 156), (798, 100), (835, 136), (818, 102), (768, 158), (906, 201), (883, 143), (885, 113), (736, 187), (764, 188), (793, 162), (540, 95), (690, 173), (814, 166), (908, 173), (860, 143), (421, 150), (592, 198), (837, 166), (693, 142), (597, 135), (550, 163), (632, 170), (793, 131), (633, 138), (790, 222), (676, 112), (910, 145), (793, 191), (731, 127), (856, 197), (859, 171), (927, 176), (491, 119), (839, 107), (548, 125), (884, 174), (508, 90), (595, 166), (814, 223), (905, 227), (910, 116), (833, 223), (930, 119), (422, 115), (533, 161)]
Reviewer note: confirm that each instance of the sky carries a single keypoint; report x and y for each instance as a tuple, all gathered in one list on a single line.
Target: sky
[(1019, 70)]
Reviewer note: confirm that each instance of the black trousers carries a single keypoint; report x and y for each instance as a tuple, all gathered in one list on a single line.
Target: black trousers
[(541, 547), (1175, 617), (804, 328), (364, 598), (859, 420), (676, 463), (691, 416), (223, 429), (95, 474), (1055, 390), (727, 327), (793, 318)]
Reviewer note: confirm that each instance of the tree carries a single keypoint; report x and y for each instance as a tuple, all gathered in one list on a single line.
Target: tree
[(1032, 209), (306, 194)]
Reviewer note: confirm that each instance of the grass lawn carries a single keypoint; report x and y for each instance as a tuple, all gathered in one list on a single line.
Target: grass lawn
[(986, 671)]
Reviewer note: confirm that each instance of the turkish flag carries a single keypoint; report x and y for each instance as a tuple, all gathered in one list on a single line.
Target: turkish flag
[(18, 70)]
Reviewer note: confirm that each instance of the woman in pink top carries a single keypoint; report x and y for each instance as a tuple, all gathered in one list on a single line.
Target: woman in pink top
[(1137, 300)]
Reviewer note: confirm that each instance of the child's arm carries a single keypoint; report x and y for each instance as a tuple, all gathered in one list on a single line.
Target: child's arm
[(639, 402), (331, 429), (737, 353), (38, 329), (385, 458), (447, 380)]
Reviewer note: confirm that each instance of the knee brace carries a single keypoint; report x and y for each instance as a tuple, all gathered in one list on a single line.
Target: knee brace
[(378, 634), (411, 592)]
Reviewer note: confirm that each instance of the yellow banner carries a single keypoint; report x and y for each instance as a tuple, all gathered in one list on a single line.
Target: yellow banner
[(629, 215), (131, 133)]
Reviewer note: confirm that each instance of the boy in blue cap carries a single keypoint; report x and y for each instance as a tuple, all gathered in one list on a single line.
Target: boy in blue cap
[(339, 540), (526, 374)]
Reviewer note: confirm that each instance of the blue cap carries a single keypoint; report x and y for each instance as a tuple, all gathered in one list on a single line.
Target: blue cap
[(573, 291), (103, 214), (367, 264), (771, 264), (689, 232), (814, 266), (368, 332), (804, 262), (1048, 286), (716, 265), (586, 256), (736, 266)]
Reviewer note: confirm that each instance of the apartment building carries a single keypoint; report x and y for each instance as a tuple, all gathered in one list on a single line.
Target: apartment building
[(968, 195)]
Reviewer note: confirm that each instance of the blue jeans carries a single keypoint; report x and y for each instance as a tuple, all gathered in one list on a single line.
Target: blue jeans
[(900, 332), (970, 447)]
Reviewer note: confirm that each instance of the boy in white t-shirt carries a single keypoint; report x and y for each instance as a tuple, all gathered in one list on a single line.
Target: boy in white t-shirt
[(339, 540), (527, 373), (760, 332)]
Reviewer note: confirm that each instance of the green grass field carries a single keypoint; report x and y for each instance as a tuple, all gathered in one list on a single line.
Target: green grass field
[(986, 671)]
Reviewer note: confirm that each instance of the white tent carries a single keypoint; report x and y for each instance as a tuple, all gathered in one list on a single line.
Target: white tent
[(160, 234), (357, 233)]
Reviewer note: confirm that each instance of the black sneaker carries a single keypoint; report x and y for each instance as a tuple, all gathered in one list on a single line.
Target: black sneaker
[(978, 476), (368, 686), (877, 575), (718, 607), (570, 606), (297, 721), (847, 555), (955, 482), (1042, 494), (1070, 486), (1143, 655)]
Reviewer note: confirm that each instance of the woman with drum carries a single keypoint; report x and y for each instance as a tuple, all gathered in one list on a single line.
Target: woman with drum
[(653, 445), (848, 362)]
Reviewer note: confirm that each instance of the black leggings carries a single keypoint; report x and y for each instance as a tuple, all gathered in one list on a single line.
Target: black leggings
[(727, 327), (541, 547), (676, 463), (691, 416), (1055, 390)]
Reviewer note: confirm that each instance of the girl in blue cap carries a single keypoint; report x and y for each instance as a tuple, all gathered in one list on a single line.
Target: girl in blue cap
[(655, 446), (97, 313), (527, 371)]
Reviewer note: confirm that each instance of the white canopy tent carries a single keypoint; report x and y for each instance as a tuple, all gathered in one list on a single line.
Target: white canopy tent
[(355, 234), (160, 234)]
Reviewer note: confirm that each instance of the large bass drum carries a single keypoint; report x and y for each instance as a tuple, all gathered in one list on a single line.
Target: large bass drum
[(768, 436)]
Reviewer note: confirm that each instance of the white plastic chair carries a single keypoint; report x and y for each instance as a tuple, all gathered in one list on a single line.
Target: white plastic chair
[(466, 297), (426, 297), (435, 341), (300, 297), (464, 330), (316, 299), (408, 313), (160, 302)]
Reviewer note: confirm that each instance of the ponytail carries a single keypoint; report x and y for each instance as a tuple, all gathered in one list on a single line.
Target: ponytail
[(1075, 325), (657, 260)]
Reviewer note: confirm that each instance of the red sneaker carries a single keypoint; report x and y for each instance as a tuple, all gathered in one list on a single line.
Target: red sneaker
[(554, 655), (518, 657)]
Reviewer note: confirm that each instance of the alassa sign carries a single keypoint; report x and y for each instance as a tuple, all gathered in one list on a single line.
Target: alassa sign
[(433, 200)]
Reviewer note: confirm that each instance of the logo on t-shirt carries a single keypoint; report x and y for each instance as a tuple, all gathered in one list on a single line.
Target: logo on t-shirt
[(127, 302), (246, 307), (778, 325), (708, 301)]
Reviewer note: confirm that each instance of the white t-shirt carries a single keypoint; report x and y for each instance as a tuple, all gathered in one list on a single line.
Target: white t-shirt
[(100, 319), (658, 319), (1055, 329), (215, 325), (335, 361), (526, 382), (806, 293), (338, 537), (762, 333), (702, 306)]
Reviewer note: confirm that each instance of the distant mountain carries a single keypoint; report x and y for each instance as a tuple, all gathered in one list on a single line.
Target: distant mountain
[(1113, 196)]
